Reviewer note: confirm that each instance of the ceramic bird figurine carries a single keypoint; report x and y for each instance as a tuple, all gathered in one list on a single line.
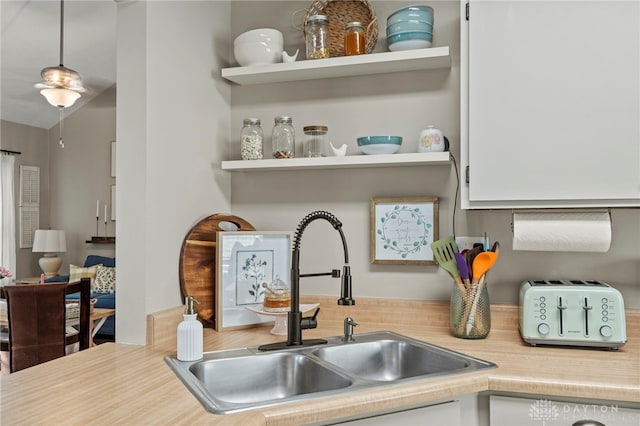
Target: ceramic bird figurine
[(289, 58), (339, 152)]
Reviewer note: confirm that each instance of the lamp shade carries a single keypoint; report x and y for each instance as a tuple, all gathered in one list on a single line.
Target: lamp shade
[(60, 97), (49, 241)]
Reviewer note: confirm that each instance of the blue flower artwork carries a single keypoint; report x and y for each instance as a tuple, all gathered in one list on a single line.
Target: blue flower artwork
[(253, 269)]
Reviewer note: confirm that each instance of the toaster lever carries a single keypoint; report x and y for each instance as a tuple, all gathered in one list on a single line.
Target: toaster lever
[(561, 308), (586, 309)]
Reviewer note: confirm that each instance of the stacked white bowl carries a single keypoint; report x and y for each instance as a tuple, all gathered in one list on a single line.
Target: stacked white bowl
[(258, 47), (410, 27)]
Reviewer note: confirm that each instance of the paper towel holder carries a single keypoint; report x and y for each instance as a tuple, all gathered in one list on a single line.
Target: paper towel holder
[(563, 210)]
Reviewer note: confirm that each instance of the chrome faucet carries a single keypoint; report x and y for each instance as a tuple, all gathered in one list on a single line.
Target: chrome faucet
[(349, 323), (295, 322)]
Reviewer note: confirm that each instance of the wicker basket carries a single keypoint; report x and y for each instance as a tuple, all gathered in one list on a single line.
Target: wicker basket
[(341, 12)]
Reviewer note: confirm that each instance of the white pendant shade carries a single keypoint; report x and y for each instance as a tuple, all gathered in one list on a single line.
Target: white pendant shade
[(58, 97)]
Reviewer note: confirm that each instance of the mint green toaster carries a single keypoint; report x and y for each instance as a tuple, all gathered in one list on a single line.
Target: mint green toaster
[(572, 313)]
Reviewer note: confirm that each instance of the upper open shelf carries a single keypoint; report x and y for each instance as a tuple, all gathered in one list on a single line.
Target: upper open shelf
[(343, 66), (347, 162)]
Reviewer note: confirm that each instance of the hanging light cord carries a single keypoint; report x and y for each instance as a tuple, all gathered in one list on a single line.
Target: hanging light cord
[(61, 124)]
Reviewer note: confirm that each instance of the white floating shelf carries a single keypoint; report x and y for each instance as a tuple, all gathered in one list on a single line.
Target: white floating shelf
[(347, 162), (343, 66)]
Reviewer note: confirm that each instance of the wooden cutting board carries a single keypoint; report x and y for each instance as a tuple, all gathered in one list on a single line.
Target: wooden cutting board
[(198, 263)]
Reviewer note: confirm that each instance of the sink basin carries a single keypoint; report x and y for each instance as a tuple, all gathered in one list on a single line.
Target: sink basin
[(388, 360), (246, 378), (256, 379)]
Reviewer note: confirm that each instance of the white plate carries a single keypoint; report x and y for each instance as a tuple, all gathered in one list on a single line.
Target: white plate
[(280, 327)]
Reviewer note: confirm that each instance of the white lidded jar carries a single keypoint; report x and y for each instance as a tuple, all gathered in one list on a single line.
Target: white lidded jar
[(431, 140), (190, 333)]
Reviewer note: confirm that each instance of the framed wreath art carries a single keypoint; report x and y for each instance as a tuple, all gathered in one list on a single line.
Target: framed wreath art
[(402, 230)]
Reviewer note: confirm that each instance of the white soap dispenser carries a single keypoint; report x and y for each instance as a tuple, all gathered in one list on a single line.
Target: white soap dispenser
[(190, 333)]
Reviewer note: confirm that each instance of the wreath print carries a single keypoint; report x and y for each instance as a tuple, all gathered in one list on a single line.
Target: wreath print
[(396, 234)]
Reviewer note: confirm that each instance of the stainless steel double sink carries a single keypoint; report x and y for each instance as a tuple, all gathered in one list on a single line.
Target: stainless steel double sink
[(241, 379)]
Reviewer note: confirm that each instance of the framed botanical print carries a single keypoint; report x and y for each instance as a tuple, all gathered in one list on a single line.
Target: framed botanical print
[(244, 261)]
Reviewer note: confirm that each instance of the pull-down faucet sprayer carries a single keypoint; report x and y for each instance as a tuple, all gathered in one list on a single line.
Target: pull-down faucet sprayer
[(295, 321)]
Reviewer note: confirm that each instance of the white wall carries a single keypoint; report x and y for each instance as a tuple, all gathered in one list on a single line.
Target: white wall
[(81, 175), (177, 119), (173, 129)]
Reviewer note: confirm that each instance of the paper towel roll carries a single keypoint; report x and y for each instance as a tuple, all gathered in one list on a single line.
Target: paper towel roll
[(575, 231)]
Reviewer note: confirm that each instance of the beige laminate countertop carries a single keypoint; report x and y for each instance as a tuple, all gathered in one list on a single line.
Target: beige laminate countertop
[(129, 384)]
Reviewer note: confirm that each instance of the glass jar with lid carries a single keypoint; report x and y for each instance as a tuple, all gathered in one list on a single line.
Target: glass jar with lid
[(315, 140), (283, 138), (277, 298), (317, 36), (251, 139), (354, 38)]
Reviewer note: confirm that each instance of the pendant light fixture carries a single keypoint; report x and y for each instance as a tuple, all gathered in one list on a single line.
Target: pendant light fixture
[(61, 86)]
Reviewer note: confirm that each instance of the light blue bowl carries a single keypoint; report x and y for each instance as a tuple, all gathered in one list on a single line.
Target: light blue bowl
[(410, 36), (379, 144), (408, 26), (416, 12)]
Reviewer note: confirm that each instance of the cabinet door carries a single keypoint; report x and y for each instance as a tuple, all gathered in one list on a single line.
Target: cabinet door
[(445, 414), (553, 103), (509, 411)]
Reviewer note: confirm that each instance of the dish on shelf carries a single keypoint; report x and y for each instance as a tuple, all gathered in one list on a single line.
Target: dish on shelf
[(258, 47), (379, 144), (280, 327)]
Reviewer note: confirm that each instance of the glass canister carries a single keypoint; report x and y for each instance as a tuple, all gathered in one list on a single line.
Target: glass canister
[(317, 36), (470, 313), (278, 296), (354, 39), (315, 140), (251, 139), (283, 138)]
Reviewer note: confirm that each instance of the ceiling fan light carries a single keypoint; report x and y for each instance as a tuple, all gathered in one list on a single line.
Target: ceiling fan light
[(61, 76), (59, 97)]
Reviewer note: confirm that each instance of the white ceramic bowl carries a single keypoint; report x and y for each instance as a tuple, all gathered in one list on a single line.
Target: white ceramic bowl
[(257, 53), (265, 35)]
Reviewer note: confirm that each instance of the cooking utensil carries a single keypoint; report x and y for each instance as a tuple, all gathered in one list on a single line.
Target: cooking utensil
[(481, 265), (443, 252), (469, 256), (463, 269)]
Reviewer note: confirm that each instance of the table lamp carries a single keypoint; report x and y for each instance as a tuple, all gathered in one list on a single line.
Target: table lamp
[(50, 242)]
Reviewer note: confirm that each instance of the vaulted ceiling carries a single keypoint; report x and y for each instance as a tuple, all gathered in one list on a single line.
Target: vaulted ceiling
[(30, 41)]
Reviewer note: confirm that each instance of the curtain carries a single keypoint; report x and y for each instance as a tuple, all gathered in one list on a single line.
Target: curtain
[(7, 213)]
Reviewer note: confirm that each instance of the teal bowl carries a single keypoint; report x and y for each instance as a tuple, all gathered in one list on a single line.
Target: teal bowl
[(379, 144), (409, 26), (408, 36), (415, 12)]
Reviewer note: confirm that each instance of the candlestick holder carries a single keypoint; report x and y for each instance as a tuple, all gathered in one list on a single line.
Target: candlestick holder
[(97, 224), (105, 228)]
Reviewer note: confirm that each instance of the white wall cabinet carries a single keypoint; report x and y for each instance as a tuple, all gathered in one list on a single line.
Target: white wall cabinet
[(509, 411), (550, 108)]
